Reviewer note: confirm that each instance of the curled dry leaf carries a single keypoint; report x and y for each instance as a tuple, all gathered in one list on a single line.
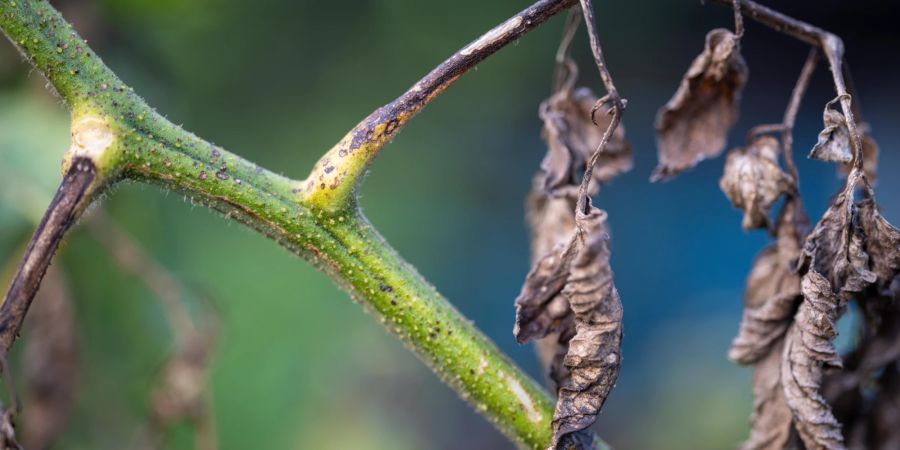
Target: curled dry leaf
[(882, 245), (50, 362), (572, 138), (834, 139), (836, 247), (593, 357), (772, 293), (808, 353), (771, 419), (753, 180), (694, 124), (570, 292)]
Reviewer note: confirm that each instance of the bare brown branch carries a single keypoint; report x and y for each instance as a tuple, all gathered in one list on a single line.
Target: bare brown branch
[(71, 198)]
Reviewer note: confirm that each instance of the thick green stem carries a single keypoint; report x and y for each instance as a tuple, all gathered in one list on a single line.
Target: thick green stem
[(145, 146)]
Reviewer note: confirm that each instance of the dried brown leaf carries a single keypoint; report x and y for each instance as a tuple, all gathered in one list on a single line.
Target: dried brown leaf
[(694, 124), (772, 293), (834, 139), (570, 293), (882, 245), (808, 353), (572, 137), (50, 362), (836, 247), (540, 307), (771, 419), (753, 180), (593, 355)]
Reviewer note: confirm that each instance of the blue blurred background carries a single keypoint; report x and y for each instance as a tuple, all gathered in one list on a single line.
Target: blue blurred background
[(279, 81)]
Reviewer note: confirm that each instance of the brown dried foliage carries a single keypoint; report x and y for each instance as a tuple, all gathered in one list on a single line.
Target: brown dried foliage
[(753, 180), (694, 124), (572, 138), (568, 301), (834, 139)]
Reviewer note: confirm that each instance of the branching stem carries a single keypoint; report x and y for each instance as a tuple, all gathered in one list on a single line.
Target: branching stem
[(124, 138), (335, 178), (830, 45)]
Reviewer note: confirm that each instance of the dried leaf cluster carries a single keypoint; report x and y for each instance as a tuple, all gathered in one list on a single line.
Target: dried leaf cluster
[(568, 300), (805, 394)]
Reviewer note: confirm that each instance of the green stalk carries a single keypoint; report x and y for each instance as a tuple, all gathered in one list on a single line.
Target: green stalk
[(126, 139)]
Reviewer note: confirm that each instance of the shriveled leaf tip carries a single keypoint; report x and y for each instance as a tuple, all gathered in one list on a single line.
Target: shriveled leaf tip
[(834, 139)]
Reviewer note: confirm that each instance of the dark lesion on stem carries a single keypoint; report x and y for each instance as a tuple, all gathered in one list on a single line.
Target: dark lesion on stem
[(71, 198)]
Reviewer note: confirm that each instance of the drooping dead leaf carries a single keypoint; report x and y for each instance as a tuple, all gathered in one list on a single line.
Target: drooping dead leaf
[(572, 137), (50, 362), (772, 293), (882, 245), (594, 353), (753, 180), (771, 419), (569, 292), (834, 139), (808, 353), (836, 247), (540, 306), (694, 124)]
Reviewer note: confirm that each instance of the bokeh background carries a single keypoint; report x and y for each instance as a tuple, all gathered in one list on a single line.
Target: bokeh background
[(279, 81)]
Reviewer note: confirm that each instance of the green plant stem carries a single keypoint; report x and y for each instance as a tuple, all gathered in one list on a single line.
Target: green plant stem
[(340, 241)]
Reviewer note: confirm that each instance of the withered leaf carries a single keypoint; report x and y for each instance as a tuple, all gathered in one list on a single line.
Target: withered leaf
[(753, 180), (882, 244), (694, 124), (593, 357), (771, 419), (772, 293), (836, 247), (540, 306), (572, 137), (551, 220), (808, 353), (834, 139), (570, 293), (50, 362)]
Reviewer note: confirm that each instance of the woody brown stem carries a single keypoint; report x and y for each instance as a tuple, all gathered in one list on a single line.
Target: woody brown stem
[(71, 198)]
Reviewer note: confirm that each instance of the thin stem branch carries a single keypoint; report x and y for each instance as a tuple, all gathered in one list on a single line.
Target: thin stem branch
[(565, 70), (618, 103), (738, 20), (71, 198), (332, 183), (830, 45), (790, 114)]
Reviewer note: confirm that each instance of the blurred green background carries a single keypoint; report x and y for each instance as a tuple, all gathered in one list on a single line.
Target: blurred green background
[(279, 81)]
